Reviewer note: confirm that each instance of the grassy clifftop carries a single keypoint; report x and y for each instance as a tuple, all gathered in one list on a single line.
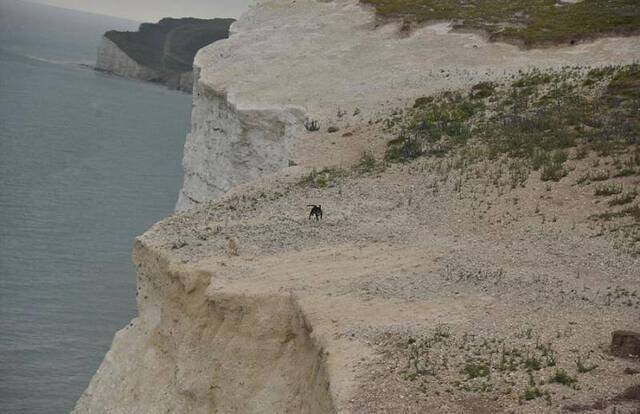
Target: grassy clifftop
[(527, 22), (171, 44)]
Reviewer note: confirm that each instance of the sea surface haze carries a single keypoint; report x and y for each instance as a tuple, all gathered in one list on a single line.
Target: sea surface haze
[(87, 162)]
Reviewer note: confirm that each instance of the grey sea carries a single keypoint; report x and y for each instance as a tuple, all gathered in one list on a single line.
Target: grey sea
[(87, 162)]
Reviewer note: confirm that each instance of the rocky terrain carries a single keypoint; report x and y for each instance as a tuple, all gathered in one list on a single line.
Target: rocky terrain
[(478, 247), (160, 52)]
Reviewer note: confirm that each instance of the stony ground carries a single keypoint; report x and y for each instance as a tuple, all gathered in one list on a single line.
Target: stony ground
[(434, 289)]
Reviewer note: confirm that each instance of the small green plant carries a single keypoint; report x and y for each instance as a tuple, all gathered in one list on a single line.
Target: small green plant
[(404, 148), (321, 179), (625, 172), (632, 211), (624, 198), (533, 78), (599, 74), (553, 167), (553, 172), (532, 363), (625, 84), (608, 189), (531, 393), (435, 127), (551, 359), (368, 164), (476, 370), (562, 377), (482, 90)]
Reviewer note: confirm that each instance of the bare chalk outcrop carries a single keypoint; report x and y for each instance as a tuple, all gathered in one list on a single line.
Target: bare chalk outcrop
[(228, 145)]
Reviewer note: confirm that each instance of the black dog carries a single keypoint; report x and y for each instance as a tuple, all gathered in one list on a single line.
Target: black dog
[(315, 211)]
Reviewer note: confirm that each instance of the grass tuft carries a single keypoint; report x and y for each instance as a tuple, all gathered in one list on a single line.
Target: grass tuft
[(476, 370), (562, 377)]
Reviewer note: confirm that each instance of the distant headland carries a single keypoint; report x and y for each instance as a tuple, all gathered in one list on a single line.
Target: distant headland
[(160, 52)]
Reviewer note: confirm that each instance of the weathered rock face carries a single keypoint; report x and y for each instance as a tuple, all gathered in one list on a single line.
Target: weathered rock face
[(285, 61), (228, 146), (195, 350)]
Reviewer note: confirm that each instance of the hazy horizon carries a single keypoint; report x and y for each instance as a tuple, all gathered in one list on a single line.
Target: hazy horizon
[(152, 10)]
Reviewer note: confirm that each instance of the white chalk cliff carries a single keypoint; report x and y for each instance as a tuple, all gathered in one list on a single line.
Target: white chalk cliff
[(286, 61), (194, 350), (270, 331), (114, 60)]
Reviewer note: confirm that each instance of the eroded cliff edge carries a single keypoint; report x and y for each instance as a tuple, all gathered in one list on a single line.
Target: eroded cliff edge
[(160, 52), (196, 349)]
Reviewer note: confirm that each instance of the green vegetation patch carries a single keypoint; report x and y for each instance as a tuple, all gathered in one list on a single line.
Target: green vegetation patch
[(544, 121), (327, 177), (435, 127), (632, 212), (625, 84), (527, 22), (539, 118), (531, 393), (625, 198), (483, 90), (476, 369), (519, 366), (562, 377)]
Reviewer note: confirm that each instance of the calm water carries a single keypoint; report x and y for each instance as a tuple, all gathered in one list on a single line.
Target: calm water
[(87, 162)]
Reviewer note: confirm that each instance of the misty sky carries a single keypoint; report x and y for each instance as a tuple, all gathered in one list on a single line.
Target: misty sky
[(153, 10)]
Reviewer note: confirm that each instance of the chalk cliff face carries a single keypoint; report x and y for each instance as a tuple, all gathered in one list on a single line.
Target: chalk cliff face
[(112, 59), (228, 145), (194, 350)]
